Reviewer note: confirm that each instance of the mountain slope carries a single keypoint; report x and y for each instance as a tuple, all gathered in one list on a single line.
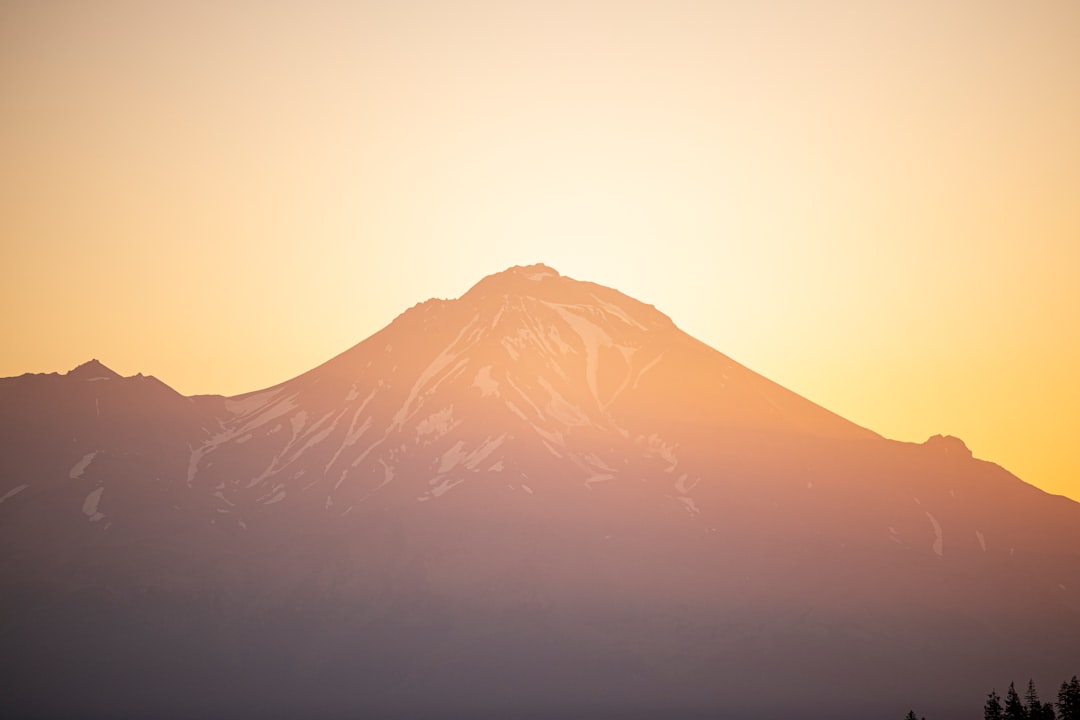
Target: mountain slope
[(525, 362), (540, 495)]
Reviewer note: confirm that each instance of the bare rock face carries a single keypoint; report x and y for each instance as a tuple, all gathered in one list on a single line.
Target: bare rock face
[(542, 497)]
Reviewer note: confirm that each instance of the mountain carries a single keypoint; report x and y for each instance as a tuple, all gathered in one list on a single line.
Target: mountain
[(540, 499)]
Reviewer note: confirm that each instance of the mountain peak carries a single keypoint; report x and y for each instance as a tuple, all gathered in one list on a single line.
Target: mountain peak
[(533, 273), (93, 370), (514, 280)]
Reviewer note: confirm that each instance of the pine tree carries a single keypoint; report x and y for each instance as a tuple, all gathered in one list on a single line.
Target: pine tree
[(992, 710), (910, 715), (1069, 700), (1032, 706), (1014, 709)]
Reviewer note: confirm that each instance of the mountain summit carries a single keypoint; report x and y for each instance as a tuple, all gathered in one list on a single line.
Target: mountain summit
[(541, 495), (527, 370), (517, 280), (93, 370)]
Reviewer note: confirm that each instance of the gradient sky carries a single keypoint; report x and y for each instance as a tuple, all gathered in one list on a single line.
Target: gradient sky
[(877, 205)]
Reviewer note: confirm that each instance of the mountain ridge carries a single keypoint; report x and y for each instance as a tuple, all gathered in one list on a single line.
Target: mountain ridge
[(543, 482)]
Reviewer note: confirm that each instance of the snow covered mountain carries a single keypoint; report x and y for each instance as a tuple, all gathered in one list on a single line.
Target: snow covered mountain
[(530, 374), (540, 495)]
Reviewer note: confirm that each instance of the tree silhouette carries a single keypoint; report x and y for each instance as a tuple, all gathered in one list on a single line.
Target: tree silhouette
[(1032, 706), (1068, 702), (992, 709), (1014, 709)]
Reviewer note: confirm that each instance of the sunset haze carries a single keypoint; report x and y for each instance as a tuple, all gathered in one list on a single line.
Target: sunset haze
[(874, 205)]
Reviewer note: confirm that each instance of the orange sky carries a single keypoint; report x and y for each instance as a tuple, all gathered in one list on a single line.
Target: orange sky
[(876, 205)]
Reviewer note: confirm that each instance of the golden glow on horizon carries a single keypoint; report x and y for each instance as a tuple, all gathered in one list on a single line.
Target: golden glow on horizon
[(874, 204)]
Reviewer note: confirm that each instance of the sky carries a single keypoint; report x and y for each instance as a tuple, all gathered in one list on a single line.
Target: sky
[(876, 205)]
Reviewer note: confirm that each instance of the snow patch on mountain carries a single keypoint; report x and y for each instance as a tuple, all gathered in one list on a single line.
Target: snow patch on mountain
[(264, 414), (452, 458), (457, 455), (656, 446), (314, 440), (553, 336), (276, 495), (525, 396), (90, 505), (13, 492), (465, 339), (685, 485), (554, 437), (552, 450), (444, 486), (688, 503), (592, 338), (438, 423), (627, 353), (80, 467), (388, 474), (594, 461), (284, 458), (597, 478), (619, 313), (516, 410), (559, 408), (355, 432), (646, 368), (938, 546), (297, 421), (246, 405), (487, 384), (481, 453)]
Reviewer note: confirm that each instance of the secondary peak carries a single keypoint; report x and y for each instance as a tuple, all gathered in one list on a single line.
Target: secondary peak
[(93, 370)]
